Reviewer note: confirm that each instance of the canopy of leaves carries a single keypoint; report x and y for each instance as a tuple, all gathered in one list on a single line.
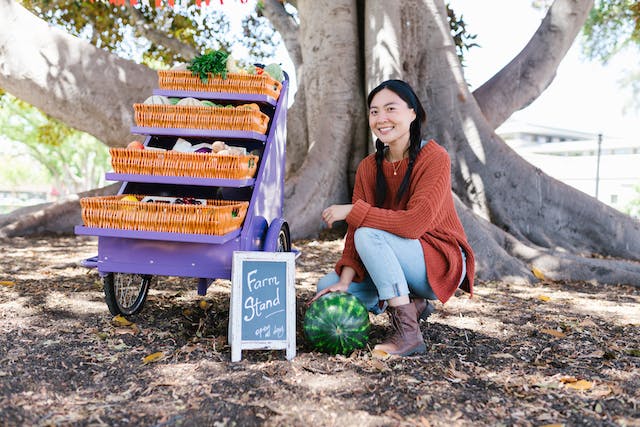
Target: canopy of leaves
[(156, 36), (75, 161), (612, 25)]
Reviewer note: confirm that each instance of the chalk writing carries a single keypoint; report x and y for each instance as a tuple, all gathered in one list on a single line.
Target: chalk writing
[(256, 306)]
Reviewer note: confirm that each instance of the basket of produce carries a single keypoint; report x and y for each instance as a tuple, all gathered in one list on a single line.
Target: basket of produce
[(200, 117), (163, 214), (218, 71), (175, 163), (233, 83), (246, 117)]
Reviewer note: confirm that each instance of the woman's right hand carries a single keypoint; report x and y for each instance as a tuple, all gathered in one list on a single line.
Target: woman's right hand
[(337, 287), (335, 213)]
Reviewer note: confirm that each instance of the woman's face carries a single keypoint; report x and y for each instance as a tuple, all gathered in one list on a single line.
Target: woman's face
[(390, 118)]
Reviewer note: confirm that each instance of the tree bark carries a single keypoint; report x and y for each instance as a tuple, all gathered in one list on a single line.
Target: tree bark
[(54, 218), (334, 110), (298, 146)]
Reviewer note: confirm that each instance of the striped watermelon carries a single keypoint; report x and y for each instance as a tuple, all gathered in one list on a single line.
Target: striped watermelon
[(337, 323)]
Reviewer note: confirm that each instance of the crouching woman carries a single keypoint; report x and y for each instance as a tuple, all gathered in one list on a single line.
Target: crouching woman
[(405, 244)]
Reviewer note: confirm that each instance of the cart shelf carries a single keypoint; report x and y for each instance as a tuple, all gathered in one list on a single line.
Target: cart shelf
[(180, 180), (157, 235), (199, 133), (220, 96)]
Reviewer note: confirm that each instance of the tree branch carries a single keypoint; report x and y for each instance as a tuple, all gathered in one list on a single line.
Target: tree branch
[(160, 38), (284, 23), (521, 81)]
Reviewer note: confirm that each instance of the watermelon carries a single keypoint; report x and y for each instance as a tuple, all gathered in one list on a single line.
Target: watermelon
[(337, 323)]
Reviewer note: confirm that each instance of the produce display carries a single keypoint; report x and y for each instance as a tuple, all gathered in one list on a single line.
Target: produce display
[(190, 186), (219, 63), (337, 323), (217, 71)]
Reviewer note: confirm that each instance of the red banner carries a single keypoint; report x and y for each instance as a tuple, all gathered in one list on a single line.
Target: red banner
[(171, 3)]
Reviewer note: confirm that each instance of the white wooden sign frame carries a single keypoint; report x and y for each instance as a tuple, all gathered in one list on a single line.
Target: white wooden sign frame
[(237, 297)]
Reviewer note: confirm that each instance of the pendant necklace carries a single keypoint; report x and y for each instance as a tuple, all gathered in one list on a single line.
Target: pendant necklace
[(395, 168), (396, 165)]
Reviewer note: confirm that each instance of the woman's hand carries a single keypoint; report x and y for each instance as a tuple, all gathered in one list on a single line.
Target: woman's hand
[(335, 213), (337, 287)]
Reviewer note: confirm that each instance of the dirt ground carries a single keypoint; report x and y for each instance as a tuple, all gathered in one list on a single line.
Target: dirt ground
[(549, 354)]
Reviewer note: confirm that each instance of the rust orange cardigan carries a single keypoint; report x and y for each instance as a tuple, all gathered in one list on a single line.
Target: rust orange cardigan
[(426, 212)]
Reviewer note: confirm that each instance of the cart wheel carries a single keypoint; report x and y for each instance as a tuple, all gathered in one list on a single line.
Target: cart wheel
[(284, 239), (125, 293)]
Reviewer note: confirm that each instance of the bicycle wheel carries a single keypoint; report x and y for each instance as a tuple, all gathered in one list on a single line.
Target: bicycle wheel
[(284, 239), (126, 293)]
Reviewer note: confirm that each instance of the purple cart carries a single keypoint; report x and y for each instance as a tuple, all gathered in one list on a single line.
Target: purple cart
[(127, 260)]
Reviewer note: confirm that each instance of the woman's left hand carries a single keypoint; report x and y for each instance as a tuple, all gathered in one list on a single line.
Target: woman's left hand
[(336, 287), (335, 213)]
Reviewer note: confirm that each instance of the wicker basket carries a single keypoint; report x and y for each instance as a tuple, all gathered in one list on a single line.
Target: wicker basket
[(174, 163), (234, 83), (200, 117), (217, 217)]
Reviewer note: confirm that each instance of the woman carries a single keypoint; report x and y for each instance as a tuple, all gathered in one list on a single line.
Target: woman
[(405, 243)]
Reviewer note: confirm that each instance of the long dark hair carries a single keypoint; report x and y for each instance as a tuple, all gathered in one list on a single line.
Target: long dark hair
[(404, 91)]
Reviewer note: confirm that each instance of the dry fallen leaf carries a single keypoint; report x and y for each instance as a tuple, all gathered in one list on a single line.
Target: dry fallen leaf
[(454, 375), (580, 385), (538, 273), (380, 354), (153, 357), (553, 332), (376, 363), (503, 356), (119, 320), (597, 354)]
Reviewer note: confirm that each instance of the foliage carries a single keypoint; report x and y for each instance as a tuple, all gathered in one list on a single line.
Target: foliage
[(74, 160), (259, 37), (633, 208), (133, 31), (462, 39), (214, 63), (612, 25)]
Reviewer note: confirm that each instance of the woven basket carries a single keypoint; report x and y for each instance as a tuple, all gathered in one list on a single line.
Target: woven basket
[(200, 117), (174, 163), (217, 217), (233, 83)]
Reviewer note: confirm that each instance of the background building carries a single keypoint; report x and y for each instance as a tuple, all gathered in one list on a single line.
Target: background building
[(604, 167)]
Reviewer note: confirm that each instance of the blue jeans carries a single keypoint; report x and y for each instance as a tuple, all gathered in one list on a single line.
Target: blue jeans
[(394, 267)]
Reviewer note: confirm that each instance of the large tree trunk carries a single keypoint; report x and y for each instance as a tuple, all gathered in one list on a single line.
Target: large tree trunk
[(516, 217), (334, 110)]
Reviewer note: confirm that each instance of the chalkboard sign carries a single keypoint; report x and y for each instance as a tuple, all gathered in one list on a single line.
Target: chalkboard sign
[(263, 303)]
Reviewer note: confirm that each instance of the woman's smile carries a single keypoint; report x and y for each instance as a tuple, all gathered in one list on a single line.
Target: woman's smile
[(390, 119)]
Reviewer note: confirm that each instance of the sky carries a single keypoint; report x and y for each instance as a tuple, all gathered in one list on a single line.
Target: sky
[(584, 95)]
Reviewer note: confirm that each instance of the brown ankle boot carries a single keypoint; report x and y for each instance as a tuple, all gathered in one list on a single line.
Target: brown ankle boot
[(406, 338), (424, 308)]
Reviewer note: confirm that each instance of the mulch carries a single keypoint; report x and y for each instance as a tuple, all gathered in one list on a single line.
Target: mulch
[(514, 355)]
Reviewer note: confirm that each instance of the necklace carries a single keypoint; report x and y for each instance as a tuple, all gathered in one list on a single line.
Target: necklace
[(395, 168)]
